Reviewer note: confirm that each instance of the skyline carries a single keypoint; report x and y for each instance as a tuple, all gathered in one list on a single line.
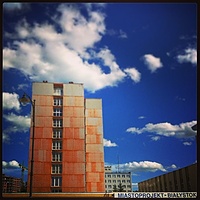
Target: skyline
[(142, 63)]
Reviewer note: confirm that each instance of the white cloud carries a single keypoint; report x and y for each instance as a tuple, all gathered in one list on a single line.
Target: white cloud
[(142, 166), (67, 55), (122, 34), (12, 6), (10, 101), (155, 138), (189, 56), (187, 143), (141, 117), (182, 130), (11, 164), (134, 74), (108, 143), (153, 63), (19, 123)]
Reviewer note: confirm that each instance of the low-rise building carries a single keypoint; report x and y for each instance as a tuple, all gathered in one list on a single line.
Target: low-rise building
[(11, 184), (114, 179), (181, 180)]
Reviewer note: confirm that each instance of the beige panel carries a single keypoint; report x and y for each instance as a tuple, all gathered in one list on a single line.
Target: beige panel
[(43, 111), (94, 148), (94, 121), (73, 89), (73, 101), (69, 111), (93, 103), (42, 88), (93, 113)]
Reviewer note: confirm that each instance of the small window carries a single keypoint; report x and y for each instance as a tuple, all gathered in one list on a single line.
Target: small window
[(56, 145), (57, 112), (58, 91), (57, 102), (57, 133), (56, 181), (56, 169), (57, 123), (56, 157)]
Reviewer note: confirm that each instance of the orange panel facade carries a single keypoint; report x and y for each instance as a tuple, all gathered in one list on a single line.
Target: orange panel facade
[(68, 140)]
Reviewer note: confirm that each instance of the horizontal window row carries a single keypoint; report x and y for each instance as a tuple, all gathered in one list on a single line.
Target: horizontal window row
[(117, 176), (118, 181), (111, 186)]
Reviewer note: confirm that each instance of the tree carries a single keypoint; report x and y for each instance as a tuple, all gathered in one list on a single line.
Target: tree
[(120, 188)]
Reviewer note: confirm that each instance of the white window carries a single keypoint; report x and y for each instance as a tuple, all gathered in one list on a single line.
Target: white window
[(114, 176), (127, 175), (56, 169), (109, 181), (57, 133), (57, 122), (57, 145), (123, 181), (57, 102), (58, 91), (123, 176), (57, 112), (114, 181), (56, 157), (109, 176), (56, 181), (118, 176), (128, 181)]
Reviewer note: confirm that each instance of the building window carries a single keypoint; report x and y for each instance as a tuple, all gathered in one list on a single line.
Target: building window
[(128, 181), (118, 176), (57, 122), (57, 145), (56, 157), (57, 133), (57, 102), (109, 181), (58, 91), (114, 176), (56, 190), (56, 169), (114, 181), (109, 186), (123, 181), (123, 176), (109, 176), (56, 181), (57, 112), (127, 175)]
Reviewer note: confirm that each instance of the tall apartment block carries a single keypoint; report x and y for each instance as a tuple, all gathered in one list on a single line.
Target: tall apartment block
[(68, 141)]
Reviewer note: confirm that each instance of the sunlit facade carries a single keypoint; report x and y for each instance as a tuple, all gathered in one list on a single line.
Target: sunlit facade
[(68, 149)]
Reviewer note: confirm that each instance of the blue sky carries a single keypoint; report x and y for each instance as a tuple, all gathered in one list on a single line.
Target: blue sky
[(139, 58)]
